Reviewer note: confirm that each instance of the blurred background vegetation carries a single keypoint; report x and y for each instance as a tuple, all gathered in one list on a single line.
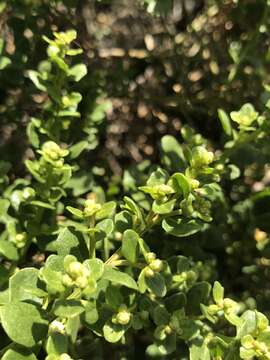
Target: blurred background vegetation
[(160, 63)]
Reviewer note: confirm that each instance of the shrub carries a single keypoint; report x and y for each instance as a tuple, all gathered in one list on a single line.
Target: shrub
[(95, 266)]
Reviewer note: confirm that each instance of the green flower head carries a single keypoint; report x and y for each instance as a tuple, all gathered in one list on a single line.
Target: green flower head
[(245, 116)]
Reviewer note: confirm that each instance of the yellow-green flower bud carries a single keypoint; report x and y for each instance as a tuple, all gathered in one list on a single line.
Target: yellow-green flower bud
[(149, 257), (53, 151), (28, 193), (52, 50), (20, 240), (123, 317), (245, 116), (201, 157), (81, 282), (75, 269), (149, 272), (64, 357), (230, 305), (219, 167), (194, 183), (118, 236), (59, 163), (168, 329), (213, 309), (247, 341), (66, 280), (180, 278), (163, 190), (91, 207), (156, 265), (57, 326)]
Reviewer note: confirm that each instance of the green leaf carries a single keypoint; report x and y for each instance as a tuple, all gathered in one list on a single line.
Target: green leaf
[(17, 352), (42, 204), (71, 242), (246, 353), (29, 278), (234, 171), (53, 280), (161, 315), (119, 277), (78, 71), (181, 184), (80, 183), (4, 62), (72, 327), (159, 207), (113, 332), (91, 314), (180, 227), (105, 226), (123, 221), (198, 352), (77, 149), (218, 292), (76, 212), (96, 268), (264, 337), (172, 154), (4, 206), (156, 284), (248, 324), (55, 262), (24, 323), (175, 301), (158, 177), (67, 308), (113, 297), (35, 78), (197, 295), (33, 170), (225, 122), (129, 247), (57, 344), (32, 134), (8, 250), (107, 210), (133, 207)]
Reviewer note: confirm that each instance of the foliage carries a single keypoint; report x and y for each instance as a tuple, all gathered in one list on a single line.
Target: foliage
[(92, 266)]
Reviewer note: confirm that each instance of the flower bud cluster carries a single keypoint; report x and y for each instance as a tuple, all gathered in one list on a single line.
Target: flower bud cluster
[(185, 277), (201, 157), (160, 191), (91, 207), (53, 153), (154, 265), (256, 343), (123, 316), (228, 305), (76, 275), (252, 347), (245, 116), (20, 240)]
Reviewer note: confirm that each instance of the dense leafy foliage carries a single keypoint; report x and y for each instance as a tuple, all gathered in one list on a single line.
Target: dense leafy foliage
[(170, 261)]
